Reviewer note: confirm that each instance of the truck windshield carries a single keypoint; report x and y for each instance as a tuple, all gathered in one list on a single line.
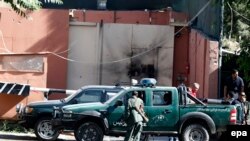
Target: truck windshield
[(72, 96), (114, 97)]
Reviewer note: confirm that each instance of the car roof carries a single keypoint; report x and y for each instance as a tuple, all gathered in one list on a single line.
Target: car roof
[(153, 88), (103, 86), (127, 87)]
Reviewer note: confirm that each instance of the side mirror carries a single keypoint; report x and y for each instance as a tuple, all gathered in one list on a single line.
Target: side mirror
[(118, 103)]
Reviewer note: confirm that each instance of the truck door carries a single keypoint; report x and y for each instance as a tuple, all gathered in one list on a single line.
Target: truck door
[(163, 114), (116, 115)]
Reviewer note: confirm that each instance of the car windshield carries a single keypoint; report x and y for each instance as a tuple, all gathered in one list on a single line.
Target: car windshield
[(114, 97), (67, 99)]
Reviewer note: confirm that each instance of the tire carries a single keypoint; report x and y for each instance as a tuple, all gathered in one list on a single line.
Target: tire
[(44, 131), (89, 131), (195, 132)]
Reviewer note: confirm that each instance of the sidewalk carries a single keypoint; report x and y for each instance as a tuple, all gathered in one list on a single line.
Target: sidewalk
[(10, 136), (5, 136)]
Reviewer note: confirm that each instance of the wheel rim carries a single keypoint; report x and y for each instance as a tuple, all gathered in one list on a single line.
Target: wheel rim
[(89, 133), (196, 135), (45, 130)]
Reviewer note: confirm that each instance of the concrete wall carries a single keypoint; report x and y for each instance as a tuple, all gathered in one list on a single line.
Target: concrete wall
[(101, 54), (157, 43), (44, 31), (84, 51)]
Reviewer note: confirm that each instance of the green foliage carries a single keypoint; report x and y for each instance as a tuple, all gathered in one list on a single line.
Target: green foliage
[(21, 6), (237, 24), (9, 126)]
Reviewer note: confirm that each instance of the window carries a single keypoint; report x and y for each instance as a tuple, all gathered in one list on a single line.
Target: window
[(161, 98), (90, 96), (141, 94), (110, 95)]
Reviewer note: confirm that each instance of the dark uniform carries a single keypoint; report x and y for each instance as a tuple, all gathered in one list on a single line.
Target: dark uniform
[(234, 85)]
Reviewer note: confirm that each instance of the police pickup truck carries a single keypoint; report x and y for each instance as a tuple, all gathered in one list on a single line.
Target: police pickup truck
[(38, 115), (184, 115)]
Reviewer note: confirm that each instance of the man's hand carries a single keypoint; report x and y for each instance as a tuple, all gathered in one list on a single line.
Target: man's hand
[(145, 118)]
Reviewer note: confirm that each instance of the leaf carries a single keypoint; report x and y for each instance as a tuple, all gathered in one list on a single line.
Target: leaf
[(20, 6)]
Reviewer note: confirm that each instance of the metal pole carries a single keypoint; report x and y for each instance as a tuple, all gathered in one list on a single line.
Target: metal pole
[(220, 48), (52, 90), (101, 51)]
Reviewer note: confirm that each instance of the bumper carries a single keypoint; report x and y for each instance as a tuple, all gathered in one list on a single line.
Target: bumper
[(27, 121), (63, 124)]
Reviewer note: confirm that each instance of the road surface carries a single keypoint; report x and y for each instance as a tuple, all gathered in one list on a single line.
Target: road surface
[(4, 136)]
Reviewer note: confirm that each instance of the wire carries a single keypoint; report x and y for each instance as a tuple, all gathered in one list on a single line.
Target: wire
[(4, 45), (241, 15), (145, 52), (139, 54), (238, 12)]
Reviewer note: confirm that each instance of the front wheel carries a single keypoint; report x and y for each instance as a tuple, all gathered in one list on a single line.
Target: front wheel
[(195, 132), (89, 131), (44, 130)]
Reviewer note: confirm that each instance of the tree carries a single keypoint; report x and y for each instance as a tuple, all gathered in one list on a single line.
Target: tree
[(21, 6), (237, 28)]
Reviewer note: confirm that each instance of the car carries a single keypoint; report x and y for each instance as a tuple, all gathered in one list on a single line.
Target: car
[(38, 115), (184, 116)]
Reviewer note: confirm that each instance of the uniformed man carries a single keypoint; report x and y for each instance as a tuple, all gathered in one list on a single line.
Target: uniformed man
[(246, 108), (134, 121)]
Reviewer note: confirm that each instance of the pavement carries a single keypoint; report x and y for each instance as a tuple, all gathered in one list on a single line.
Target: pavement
[(10, 136)]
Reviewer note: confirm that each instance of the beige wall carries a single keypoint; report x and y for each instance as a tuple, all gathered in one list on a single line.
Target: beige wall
[(101, 54), (84, 52), (121, 40)]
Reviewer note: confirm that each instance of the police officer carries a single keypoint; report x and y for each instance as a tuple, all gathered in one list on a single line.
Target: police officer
[(135, 118), (234, 83), (246, 108)]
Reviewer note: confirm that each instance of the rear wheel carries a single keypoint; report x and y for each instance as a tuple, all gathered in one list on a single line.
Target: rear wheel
[(195, 132), (89, 131), (44, 131)]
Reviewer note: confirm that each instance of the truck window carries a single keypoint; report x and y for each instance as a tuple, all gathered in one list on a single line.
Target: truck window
[(110, 94), (141, 94), (90, 96), (162, 98)]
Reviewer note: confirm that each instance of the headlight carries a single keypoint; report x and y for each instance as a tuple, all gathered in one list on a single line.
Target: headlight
[(67, 114), (19, 107), (28, 110), (56, 112)]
